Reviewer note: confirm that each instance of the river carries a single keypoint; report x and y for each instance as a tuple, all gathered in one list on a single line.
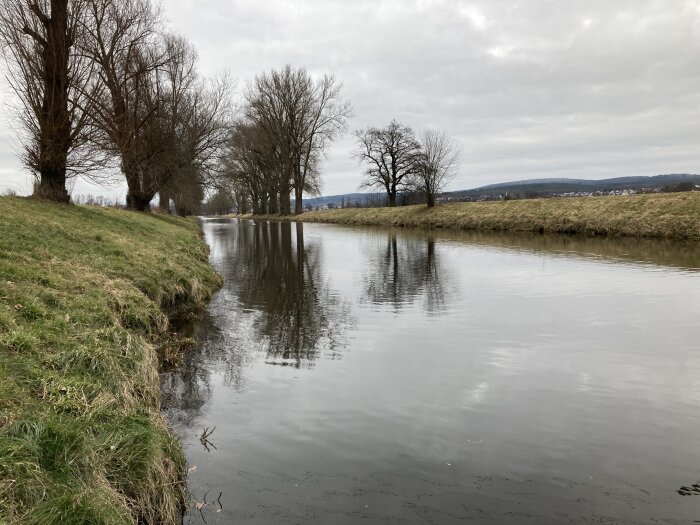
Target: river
[(355, 375)]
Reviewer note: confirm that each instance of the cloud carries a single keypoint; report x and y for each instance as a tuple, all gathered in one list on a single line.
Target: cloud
[(531, 88), (475, 16)]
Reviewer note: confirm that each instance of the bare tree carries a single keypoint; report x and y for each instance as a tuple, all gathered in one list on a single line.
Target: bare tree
[(53, 82), (392, 155), (301, 117), (323, 117), (157, 116), (184, 138), (122, 40), (266, 116), (252, 166), (439, 161)]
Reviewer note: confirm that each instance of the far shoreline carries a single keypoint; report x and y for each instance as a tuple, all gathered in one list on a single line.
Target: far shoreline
[(673, 216)]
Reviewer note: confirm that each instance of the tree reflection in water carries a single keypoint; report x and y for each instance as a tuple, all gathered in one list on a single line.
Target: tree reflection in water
[(404, 270), (221, 349), (299, 318), (275, 300)]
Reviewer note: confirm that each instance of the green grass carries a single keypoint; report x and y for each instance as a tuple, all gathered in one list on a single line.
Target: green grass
[(85, 300), (668, 216)]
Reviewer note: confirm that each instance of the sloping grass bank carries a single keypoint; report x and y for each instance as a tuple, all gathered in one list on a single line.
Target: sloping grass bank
[(85, 296), (668, 216)]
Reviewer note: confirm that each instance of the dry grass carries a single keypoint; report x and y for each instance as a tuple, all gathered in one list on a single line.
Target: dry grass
[(668, 216), (85, 300)]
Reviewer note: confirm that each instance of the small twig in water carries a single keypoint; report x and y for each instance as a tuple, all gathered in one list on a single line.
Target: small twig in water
[(204, 439)]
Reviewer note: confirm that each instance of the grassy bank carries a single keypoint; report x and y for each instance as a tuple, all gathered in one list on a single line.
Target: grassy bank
[(85, 296), (668, 216)]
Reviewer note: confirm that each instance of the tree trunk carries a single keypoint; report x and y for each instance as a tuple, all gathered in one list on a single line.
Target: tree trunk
[(164, 201), (138, 202), (430, 199), (54, 121), (274, 204), (257, 206), (298, 201), (285, 197), (392, 198), (138, 198), (242, 205), (52, 186)]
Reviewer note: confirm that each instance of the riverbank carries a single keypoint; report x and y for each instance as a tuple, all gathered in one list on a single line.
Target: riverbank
[(85, 300), (666, 216)]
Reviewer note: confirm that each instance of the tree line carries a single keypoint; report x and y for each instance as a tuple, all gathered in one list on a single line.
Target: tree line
[(280, 143), (275, 150), (107, 92)]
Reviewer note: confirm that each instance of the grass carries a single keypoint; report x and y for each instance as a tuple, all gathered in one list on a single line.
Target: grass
[(85, 300), (668, 216)]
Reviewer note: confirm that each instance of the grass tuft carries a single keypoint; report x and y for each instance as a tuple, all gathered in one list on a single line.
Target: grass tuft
[(84, 508), (86, 295)]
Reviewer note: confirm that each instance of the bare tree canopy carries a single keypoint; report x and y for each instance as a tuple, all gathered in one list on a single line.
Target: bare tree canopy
[(253, 166), (122, 40), (439, 161), (53, 82), (161, 121), (300, 116), (392, 156), (185, 136)]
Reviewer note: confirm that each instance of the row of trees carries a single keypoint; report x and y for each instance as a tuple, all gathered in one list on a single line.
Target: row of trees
[(287, 111), (104, 87), (275, 151), (107, 92)]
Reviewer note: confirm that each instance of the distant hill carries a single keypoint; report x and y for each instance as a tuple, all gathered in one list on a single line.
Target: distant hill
[(527, 188), (539, 187)]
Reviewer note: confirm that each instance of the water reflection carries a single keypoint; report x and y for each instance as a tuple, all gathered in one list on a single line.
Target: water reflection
[(558, 384), (403, 270), (222, 350), (658, 252), (276, 301), (299, 317), (186, 391)]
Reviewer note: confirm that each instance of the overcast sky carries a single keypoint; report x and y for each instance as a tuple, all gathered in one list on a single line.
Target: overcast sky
[(530, 88)]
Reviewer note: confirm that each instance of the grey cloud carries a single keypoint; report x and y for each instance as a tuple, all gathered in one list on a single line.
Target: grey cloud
[(589, 88), (532, 88)]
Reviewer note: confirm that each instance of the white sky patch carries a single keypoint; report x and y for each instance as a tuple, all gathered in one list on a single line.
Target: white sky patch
[(475, 16), (427, 4), (500, 52)]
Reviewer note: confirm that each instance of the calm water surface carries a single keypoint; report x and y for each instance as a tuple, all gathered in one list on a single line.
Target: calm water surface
[(376, 376)]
